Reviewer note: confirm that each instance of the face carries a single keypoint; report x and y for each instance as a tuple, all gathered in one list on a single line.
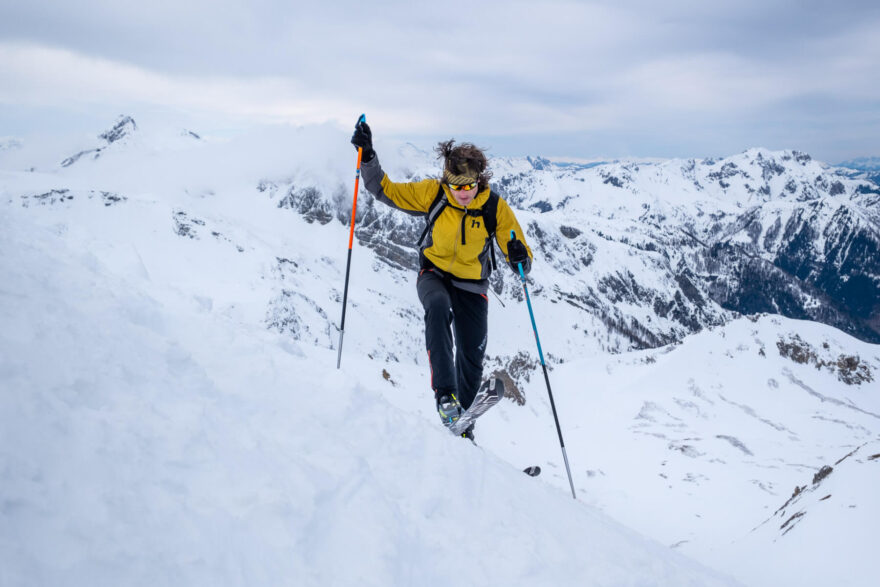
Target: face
[(464, 196)]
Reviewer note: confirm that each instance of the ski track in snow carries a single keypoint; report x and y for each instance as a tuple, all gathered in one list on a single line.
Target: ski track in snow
[(825, 398)]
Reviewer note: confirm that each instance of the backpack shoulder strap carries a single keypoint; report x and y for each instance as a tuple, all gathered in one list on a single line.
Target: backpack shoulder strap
[(433, 211), (490, 213), (490, 219)]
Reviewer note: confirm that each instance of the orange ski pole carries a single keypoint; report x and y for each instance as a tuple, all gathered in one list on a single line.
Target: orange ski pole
[(357, 179)]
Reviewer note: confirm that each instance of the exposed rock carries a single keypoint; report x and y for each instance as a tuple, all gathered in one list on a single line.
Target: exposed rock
[(823, 472), (569, 232), (186, 226), (124, 126), (848, 368)]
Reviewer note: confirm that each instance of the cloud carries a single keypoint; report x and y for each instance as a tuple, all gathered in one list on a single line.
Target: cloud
[(41, 75), (492, 68)]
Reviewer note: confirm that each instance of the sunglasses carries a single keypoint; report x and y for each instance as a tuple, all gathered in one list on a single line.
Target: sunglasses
[(462, 187)]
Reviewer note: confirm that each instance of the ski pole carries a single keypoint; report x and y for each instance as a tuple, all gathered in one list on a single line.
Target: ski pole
[(357, 179), (546, 376)]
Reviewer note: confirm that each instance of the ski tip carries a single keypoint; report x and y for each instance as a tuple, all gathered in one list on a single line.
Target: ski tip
[(363, 118), (532, 471)]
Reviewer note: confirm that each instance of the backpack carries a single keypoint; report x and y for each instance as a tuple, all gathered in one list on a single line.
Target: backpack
[(489, 212)]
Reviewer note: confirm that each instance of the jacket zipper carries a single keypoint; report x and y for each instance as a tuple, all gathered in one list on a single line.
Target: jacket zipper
[(458, 234)]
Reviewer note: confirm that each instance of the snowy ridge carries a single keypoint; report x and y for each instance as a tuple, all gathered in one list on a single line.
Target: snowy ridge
[(120, 133)]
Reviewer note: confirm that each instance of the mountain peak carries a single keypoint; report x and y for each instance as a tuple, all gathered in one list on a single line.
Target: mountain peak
[(125, 126), (539, 163), (762, 153), (758, 153)]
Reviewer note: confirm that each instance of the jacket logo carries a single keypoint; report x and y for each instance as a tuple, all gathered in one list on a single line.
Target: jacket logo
[(475, 223)]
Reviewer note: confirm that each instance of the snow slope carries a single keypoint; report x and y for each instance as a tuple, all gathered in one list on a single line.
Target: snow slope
[(698, 444), (171, 407), (148, 438)]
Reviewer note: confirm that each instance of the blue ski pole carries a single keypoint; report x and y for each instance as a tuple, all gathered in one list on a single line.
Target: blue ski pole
[(544, 366)]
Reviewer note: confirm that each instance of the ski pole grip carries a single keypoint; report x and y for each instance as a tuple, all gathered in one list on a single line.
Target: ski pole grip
[(522, 273), (361, 119)]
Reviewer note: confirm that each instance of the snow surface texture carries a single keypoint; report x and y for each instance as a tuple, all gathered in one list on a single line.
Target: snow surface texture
[(153, 430)]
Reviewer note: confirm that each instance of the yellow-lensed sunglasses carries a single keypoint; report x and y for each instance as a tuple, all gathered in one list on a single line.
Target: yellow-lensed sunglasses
[(462, 187)]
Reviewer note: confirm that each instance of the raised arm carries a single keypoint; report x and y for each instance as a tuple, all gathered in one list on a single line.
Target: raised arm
[(411, 197)]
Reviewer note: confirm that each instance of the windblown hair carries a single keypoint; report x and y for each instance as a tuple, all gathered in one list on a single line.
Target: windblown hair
[(458, 158)]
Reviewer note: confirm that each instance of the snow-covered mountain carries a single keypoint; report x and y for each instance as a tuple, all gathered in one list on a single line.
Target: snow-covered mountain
[(862, 163), (869, 167), (171, 406)]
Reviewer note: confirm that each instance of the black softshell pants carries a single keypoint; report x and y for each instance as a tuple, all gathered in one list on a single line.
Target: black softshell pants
[(453, 312)]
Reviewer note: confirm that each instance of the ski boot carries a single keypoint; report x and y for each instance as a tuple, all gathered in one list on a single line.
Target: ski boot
[(449, 409)]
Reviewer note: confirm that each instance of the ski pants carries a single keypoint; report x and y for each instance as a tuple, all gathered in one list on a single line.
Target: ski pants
[(451, 311)]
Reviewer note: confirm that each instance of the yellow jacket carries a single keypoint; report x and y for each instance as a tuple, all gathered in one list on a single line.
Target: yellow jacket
[(457, 244)]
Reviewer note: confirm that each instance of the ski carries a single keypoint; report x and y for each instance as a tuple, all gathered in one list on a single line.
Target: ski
[(490, 393)]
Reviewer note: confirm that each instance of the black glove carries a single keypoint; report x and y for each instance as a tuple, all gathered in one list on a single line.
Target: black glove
[(363, 138), (516, 254)]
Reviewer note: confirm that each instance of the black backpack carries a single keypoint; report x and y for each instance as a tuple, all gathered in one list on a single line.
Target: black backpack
[(489, 212)]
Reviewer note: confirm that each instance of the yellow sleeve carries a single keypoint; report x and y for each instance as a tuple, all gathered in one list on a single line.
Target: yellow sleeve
[(507, 222), (411, 196)]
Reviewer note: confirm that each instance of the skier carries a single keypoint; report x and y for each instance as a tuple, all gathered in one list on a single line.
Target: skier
[(454, 262)]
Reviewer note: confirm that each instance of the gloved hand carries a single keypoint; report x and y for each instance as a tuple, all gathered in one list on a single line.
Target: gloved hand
[(363, 138), (516, 254)]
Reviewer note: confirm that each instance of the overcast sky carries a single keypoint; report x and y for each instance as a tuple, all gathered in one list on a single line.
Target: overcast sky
[(673, 78)]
